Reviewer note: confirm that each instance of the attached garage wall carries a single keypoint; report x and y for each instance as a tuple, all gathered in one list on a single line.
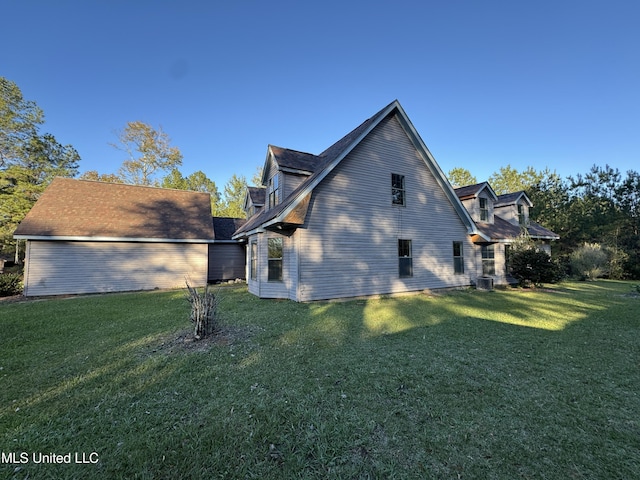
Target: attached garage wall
[(226, 261), (55, 268)]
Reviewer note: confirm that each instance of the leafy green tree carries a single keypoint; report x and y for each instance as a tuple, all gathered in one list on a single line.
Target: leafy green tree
[(509, 179), (628, 199), (174, 179), (551, 206), (149, 152), (93, 175), (233, 198), (257, 177), (20, 120), (196, 182), (459, 177), (28, 160)]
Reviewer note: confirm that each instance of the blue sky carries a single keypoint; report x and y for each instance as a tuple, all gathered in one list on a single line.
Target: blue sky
[(487, 84)]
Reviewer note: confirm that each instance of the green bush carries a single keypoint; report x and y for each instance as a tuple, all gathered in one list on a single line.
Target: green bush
[(10, 284), (590, 262), (534, 266)]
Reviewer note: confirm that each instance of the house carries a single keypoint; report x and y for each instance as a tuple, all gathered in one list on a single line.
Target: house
[(373, 214), (85, 237), (501, 219)]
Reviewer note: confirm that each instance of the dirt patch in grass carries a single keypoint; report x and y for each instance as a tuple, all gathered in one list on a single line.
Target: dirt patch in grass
[(184, 341)]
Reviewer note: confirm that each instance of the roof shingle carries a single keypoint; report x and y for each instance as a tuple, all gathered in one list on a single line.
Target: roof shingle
[(88, 209)]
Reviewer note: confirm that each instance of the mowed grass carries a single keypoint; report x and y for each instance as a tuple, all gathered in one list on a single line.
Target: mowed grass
[(504, 384)]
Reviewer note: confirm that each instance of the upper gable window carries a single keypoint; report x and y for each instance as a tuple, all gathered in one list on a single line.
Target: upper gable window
[(484, 210), (274, 190), (397, 189), (522, 218)]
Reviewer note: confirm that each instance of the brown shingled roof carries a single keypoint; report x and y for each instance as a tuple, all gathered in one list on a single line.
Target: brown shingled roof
[(85, 209)]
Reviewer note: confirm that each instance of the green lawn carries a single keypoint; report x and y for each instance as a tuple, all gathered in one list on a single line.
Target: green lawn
[(512, 384)]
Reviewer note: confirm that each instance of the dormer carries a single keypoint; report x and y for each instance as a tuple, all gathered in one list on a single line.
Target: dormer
[(284, 170), (479, 200), (254, 200), (514, 208)]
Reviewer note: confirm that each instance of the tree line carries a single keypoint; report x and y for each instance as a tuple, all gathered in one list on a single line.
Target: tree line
[(600, 207)]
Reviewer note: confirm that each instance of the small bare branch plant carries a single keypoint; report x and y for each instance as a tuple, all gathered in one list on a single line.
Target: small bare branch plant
[(204, 311)]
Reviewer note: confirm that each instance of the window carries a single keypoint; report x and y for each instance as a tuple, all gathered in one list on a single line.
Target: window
[(507, 259), (405, 260), (488, 260), (275, 259), (458, 258), (253, 261), (397, 189), (274, 190), (484, 210), (521, 215)]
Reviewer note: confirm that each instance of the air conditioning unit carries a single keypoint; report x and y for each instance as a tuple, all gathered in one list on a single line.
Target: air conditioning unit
[(484, 283)]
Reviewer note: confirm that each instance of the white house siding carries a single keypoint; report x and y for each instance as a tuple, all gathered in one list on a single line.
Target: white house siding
[(55, 267), (226, 261), (473, 207), (349, 245), (264, 288), (510, 212), (500, 277), (291, 182)]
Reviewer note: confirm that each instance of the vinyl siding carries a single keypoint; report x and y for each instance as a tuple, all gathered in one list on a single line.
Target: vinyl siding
[(473, 207), (264, 288), (54, 268), (290, 182), (349, 245), (226, 261)]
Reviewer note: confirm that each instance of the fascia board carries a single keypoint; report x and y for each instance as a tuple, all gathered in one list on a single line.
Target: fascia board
[(296, 171), (249, 233), (76, 238)]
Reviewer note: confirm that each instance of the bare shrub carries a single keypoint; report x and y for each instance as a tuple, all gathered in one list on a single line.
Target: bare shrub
[(204, 311)]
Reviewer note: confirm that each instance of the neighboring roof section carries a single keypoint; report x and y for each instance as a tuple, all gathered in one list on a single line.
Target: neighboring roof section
[(502, 230), (224, 227), (472, 191), (293, 160), (512, 199), (86, 210), (257, 195)]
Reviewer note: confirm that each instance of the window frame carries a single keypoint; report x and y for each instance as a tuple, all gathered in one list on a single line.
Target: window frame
[(458, 260), (275, 264), (522, 220), (488, 255), (274, 190), (484, 209), (405, 258), (253, 260), (398, 190)]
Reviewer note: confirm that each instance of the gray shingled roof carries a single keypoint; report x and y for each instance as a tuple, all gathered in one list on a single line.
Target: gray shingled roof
[(323, 160), (295, 160), (257, 195), (501, 229), (223, 227), (87, 209), (511, 198), (471, 191)]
